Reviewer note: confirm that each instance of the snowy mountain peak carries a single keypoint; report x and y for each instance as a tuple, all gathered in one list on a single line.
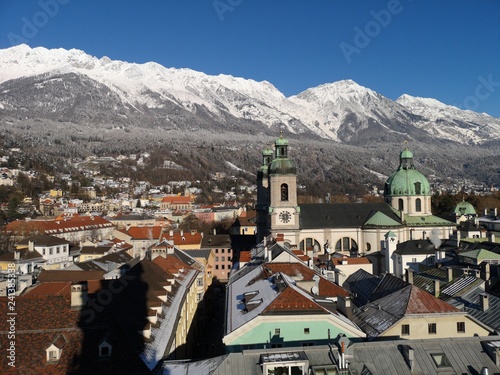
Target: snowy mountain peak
[(343, 111)]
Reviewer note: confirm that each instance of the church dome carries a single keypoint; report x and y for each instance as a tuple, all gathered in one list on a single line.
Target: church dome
[(282, 166), (281, 163), (465, 208), (407, 180)]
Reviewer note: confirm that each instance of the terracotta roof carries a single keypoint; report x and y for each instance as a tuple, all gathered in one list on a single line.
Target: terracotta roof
[(186, 238), (326, 288), (171, 264), (60, 288), (74, 223), (245, 256), (177, 199), (350, 261), (289, 300), (149, 232), (66, 275)]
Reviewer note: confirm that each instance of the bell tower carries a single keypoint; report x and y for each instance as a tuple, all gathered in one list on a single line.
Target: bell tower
[(284, 212)]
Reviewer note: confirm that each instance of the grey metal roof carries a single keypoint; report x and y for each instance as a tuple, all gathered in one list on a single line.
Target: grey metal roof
[(417, 247), (342, 215), (199, 253), (459, 286), (361, 284), (466, 356), (471, 303)]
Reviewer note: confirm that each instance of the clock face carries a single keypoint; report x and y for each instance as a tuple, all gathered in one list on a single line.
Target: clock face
[(285, 216)]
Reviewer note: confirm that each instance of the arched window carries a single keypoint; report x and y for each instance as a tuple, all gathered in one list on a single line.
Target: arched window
[(346, 244), (284, 192), (418, 205), (401, 205), (310, 244), (368, 246), (418, 188)]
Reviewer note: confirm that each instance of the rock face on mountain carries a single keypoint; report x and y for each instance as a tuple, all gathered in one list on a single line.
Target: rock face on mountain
[(72, 86), (44, 93)]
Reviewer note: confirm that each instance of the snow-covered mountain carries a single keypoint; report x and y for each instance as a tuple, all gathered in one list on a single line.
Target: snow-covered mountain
[(70, 85)]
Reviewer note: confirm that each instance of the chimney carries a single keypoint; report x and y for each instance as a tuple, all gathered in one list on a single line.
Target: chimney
[(409, 356), (17, 255), (449, 274), (484, 301), (436, 288), (344, 260), (182, 233), (344, 304), (486, 271), (492, 237), (485, 211), (409, 276), (31, 245), (79, 294)]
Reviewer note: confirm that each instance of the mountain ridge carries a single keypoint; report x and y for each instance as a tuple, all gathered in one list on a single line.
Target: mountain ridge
[(341, 111)]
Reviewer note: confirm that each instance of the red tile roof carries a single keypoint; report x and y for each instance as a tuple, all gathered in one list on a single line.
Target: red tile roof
[(186, 238), (421, 302), (149, 232), (350, 261), (290, 300), (326, 288), (69, 275), (60, 225), (60, 288), (176, 199)]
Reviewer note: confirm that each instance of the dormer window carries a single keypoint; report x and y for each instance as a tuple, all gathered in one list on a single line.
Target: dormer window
[(106, 347), (54, 351)]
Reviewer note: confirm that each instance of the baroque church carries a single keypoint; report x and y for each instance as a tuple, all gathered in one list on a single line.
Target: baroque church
[(352, 229)]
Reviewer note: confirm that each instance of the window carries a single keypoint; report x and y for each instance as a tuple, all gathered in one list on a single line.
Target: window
[(52, 355), (306, 331), (51, 251), (418, 188), (405, 330), (229, 251), (43, 251), (223, 267), (432, 328), (57, 250), (216, 266), (346, 244), (461, 327), (401, 205), (216, 251), (199, 297), (440, 360), (284, 192), (222, 251), (277, 332), (199, 282), (368, 246), (418, 205), (223, 259), (216, 259)]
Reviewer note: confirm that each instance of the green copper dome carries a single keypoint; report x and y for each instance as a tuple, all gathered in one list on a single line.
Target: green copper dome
[(282, 164), (407, 180), (465, 208)]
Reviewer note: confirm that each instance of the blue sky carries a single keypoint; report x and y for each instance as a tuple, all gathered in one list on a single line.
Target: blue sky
[(447, 50)]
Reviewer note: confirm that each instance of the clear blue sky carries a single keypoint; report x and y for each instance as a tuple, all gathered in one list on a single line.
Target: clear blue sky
[(447, 50)]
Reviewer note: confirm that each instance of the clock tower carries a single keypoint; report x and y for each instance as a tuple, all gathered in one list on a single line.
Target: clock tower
[(284, 212)]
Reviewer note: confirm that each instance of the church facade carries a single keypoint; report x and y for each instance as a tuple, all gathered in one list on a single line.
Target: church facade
[(352, 229)]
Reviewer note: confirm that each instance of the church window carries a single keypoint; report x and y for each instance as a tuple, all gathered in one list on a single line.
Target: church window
[(418, 205), (368, 246), (418, 188), (284, 192), (346, 244), (310, 244), (401, 205)]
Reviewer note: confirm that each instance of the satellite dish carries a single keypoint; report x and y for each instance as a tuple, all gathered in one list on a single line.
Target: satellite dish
[(315, 290)]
